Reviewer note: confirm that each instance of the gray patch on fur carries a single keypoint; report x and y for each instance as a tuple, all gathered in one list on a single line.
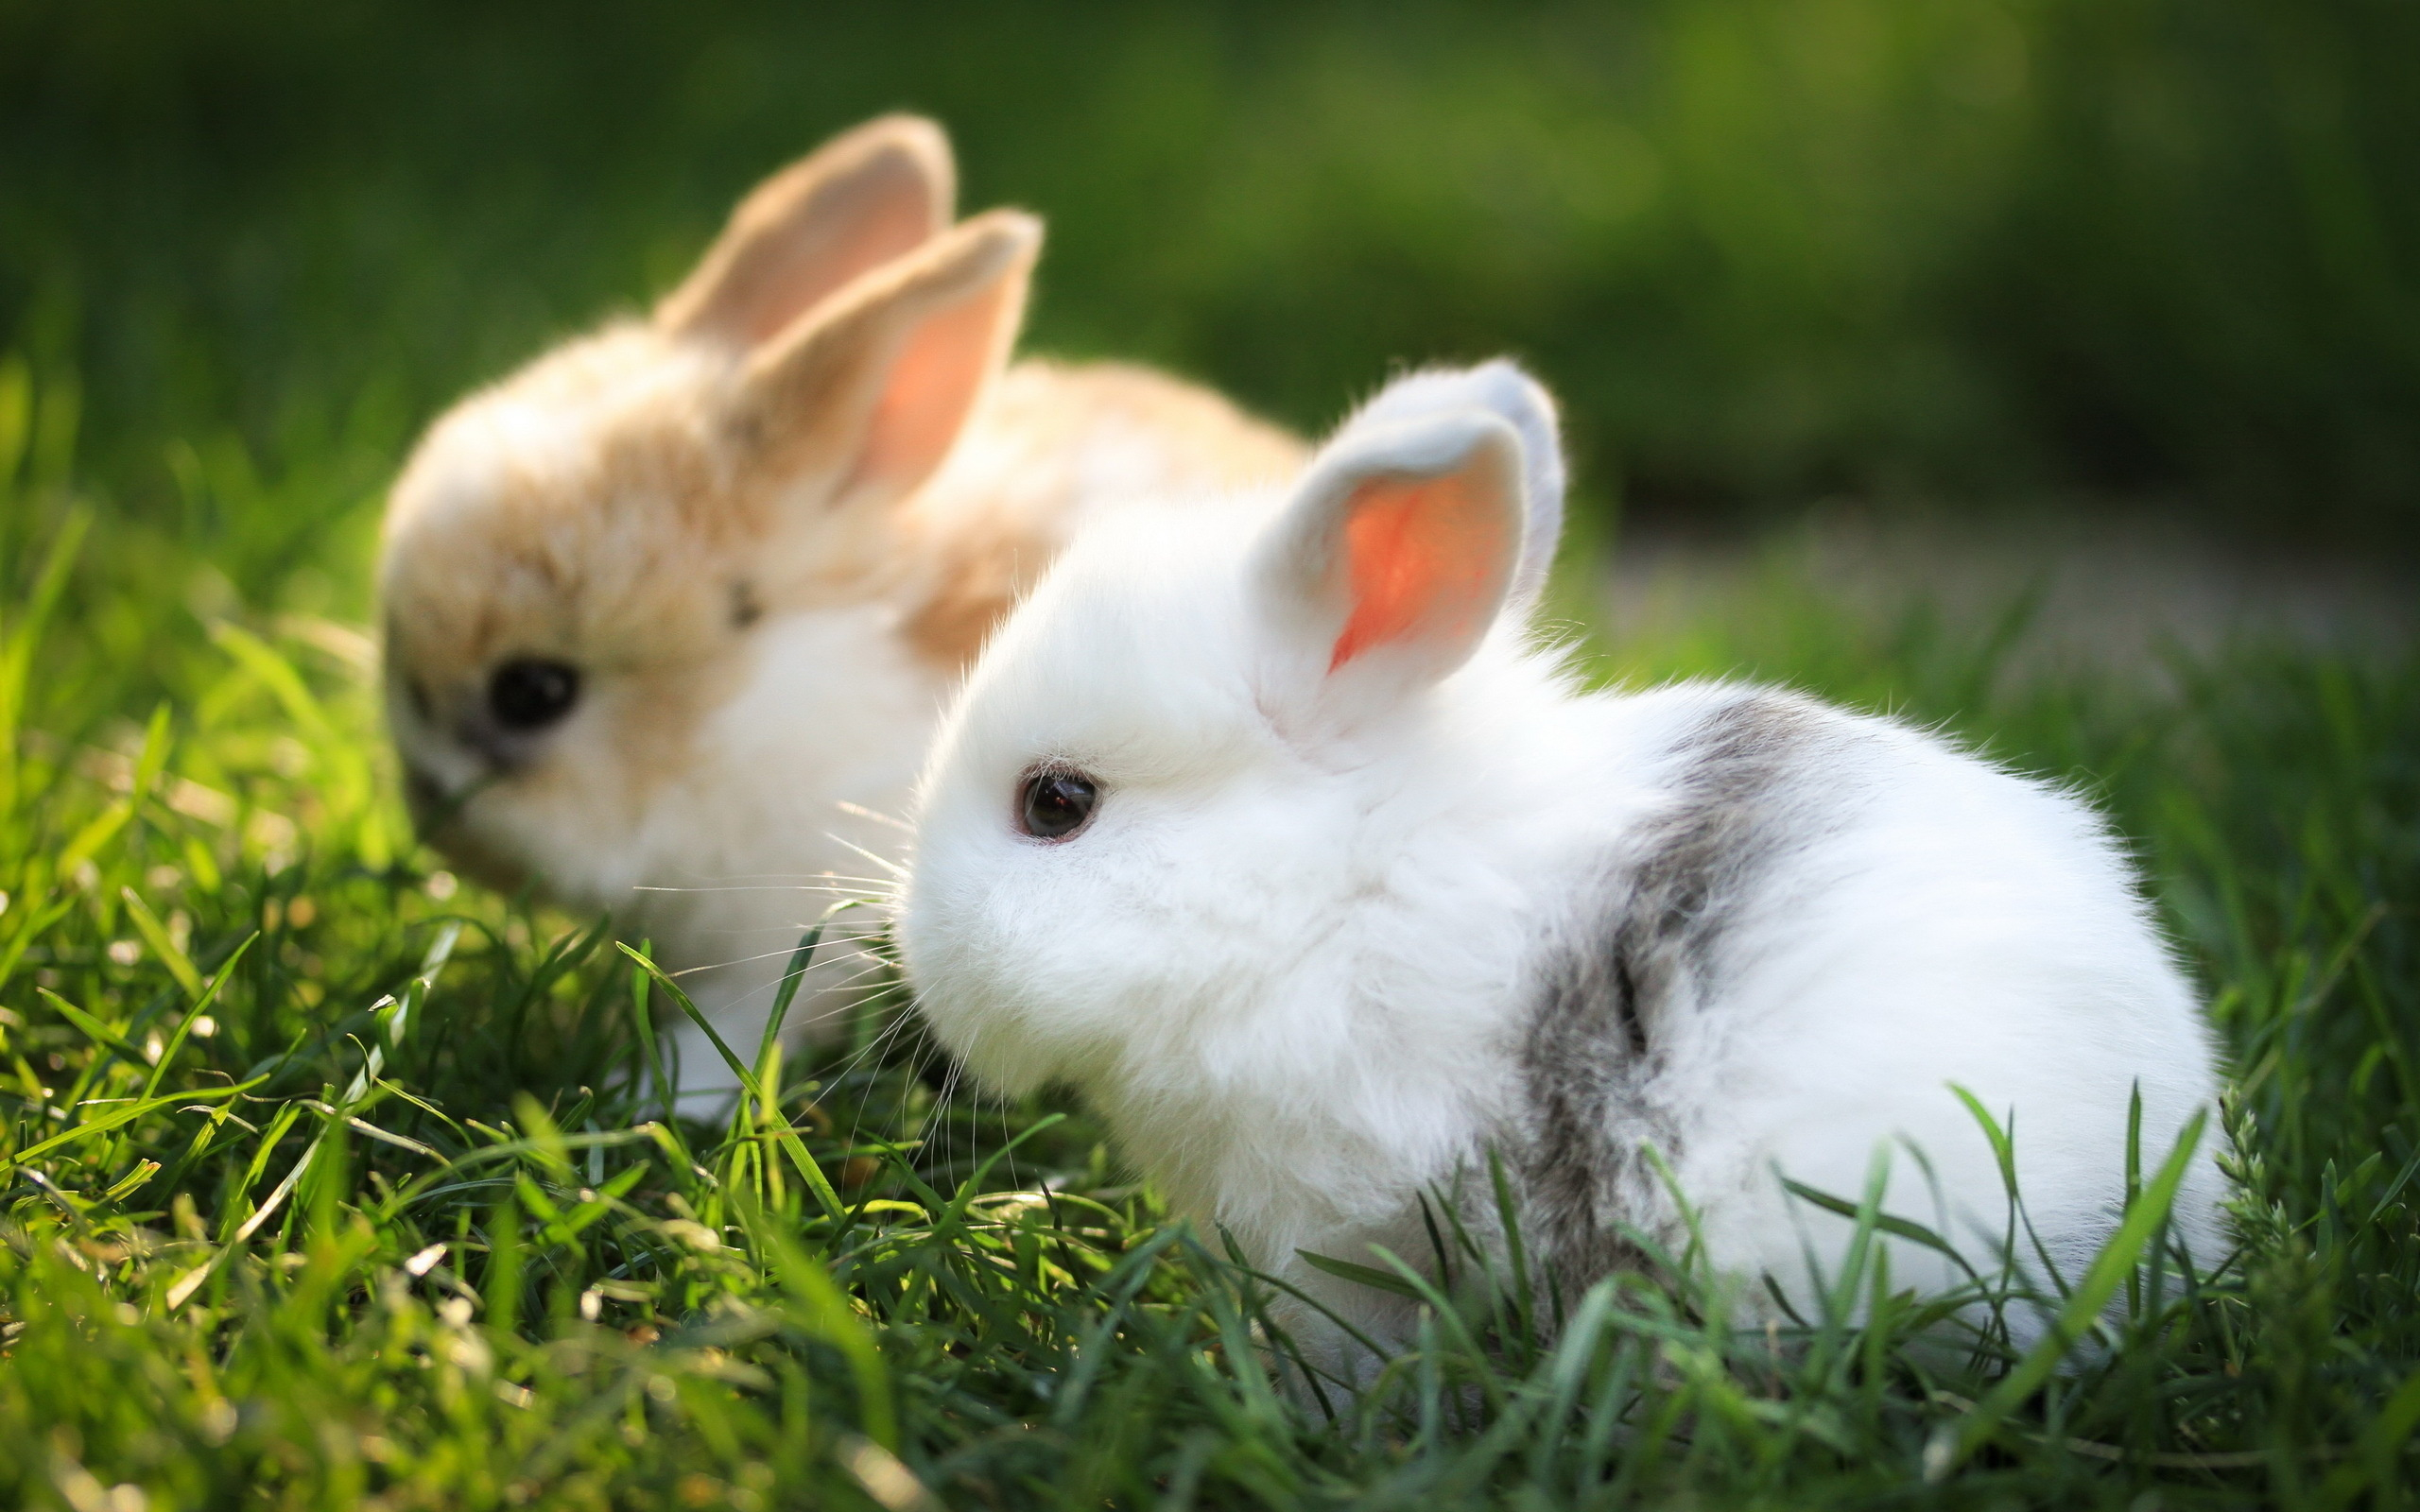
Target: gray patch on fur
[(1650, 947)]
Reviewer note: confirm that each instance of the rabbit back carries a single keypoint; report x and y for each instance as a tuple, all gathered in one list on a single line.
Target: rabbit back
[(1824, 924)]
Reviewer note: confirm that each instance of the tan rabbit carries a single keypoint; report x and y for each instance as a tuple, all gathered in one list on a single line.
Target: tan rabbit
[(671, 612)]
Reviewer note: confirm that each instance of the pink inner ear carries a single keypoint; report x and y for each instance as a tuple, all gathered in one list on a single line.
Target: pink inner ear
[(1419, 556), (933, 385)]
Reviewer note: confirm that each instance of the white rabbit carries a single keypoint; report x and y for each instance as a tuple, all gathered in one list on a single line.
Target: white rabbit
[(671, 613), (1266, 830)]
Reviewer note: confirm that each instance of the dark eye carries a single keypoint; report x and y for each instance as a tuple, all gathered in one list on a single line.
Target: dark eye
[(529, 692), (1055, 803)]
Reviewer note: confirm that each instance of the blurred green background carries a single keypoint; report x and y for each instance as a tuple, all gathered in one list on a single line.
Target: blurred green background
[(1942, 255)]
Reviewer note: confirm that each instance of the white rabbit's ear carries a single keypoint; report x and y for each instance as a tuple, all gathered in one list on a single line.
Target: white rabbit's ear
[(1416, 527), (859, 200), (1501, 389), (870, 393)]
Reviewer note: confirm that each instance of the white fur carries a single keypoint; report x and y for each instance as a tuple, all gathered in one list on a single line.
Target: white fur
[(791, 803), (1291, 959), (781, 817)]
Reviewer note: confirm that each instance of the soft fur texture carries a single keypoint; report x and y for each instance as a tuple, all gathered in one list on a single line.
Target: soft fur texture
[(1370, 890), (768, 526)]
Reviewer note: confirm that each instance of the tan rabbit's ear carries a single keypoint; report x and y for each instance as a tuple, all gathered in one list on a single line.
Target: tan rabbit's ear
[(859, 200), (872, 390)]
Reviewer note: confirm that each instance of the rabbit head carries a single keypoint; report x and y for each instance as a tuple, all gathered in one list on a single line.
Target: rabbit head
[(1172, 799), (583, 564)]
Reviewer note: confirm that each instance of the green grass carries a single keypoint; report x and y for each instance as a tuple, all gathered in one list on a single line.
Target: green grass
[(326, 1187)]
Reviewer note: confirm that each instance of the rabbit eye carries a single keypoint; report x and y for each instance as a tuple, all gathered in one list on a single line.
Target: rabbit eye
[(1055, 803), (529, 692)]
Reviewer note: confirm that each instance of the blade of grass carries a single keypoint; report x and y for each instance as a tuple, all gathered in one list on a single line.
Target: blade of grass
[(155, 935), (202, 1005), (1953, 1444), (790, 1145)]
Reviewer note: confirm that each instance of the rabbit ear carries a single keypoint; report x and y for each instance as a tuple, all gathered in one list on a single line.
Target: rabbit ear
[(870, 393), (858, 201), (1431, 510), (1501, 389)]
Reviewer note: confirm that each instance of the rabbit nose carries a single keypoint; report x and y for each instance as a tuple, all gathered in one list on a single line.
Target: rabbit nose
[(434, 802), (423, 797), (494, 748)]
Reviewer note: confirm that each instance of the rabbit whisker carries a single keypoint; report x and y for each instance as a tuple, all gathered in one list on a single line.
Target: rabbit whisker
[(813, 882), (883, 862), (850, 941), (879, 817)]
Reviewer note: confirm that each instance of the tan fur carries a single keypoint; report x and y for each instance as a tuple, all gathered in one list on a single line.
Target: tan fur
[(986, 539), (650, 502), (865, 196), (626, 559), (599, 557)]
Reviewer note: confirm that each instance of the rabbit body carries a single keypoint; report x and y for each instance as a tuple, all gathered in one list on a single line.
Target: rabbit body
[(1369, 890), (671, 613)]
